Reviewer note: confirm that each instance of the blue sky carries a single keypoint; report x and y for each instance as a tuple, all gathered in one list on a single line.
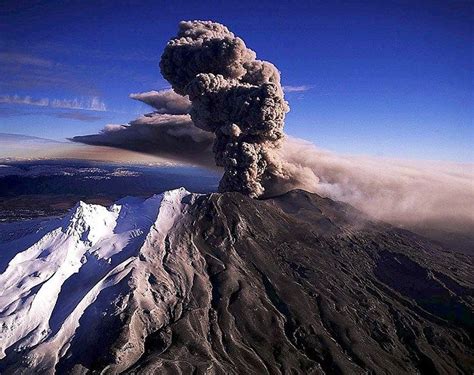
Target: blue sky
[(389, 78)]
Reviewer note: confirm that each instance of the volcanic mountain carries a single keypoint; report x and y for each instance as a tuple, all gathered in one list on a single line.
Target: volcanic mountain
[(183, 283)]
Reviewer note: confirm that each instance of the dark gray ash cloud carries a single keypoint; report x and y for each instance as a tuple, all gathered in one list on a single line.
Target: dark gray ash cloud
[(164, 135), (234, 96)]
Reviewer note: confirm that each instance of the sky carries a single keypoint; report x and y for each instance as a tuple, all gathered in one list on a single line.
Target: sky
[(378, 78)]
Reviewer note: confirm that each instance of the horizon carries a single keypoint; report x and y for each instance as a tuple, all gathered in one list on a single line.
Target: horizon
[(392, 80), (138, 158)]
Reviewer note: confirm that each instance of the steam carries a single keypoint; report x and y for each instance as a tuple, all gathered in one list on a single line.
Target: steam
[(234, 96)]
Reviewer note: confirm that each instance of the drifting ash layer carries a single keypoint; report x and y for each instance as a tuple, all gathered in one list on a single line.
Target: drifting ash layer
[(223, 284)]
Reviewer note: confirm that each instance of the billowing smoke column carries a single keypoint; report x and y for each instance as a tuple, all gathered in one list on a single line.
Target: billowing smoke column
[(233, 95)]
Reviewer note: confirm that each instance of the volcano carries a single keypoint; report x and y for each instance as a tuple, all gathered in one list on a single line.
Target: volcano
[(184, 283)]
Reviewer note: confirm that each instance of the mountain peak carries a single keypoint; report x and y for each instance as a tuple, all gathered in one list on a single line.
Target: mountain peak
[(89, 222)]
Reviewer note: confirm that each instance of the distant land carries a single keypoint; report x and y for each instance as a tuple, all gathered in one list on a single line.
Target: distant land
[(23, 147)]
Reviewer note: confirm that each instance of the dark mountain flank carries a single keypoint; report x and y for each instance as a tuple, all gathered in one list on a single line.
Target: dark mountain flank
[(223, 284), (303, 284)]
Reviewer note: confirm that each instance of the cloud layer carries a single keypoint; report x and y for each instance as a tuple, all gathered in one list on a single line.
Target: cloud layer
[(164, 135), (26, 100), (86, 104), (12, 147), (16, 58)]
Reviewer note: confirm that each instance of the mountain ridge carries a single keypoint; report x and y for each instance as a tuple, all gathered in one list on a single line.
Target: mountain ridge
[(221, 283)]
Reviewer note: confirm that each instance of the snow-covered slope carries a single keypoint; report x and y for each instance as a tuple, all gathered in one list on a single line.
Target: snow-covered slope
[(67, 271)]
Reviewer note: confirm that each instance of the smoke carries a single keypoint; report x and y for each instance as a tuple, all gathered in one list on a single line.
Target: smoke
[(164, 135), (407, 193), (165, 101), (17, 148), (234, 96), (167, 132)]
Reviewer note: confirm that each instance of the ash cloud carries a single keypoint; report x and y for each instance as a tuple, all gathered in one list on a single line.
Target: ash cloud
[(168, 132), (414, 194), (234, 96), (164, 135), (165, 101)]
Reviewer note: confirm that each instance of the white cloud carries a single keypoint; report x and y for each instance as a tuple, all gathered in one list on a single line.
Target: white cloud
[(24, 59), (300, 88), (91, 104), (28, 100), (110, 128)]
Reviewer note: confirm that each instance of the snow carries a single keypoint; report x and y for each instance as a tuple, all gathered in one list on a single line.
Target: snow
[(51, 276)]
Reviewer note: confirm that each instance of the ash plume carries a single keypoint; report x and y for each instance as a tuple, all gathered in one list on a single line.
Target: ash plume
[(163, 135), (233, 95), (168, 132), (164, 101), (411, 193)]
